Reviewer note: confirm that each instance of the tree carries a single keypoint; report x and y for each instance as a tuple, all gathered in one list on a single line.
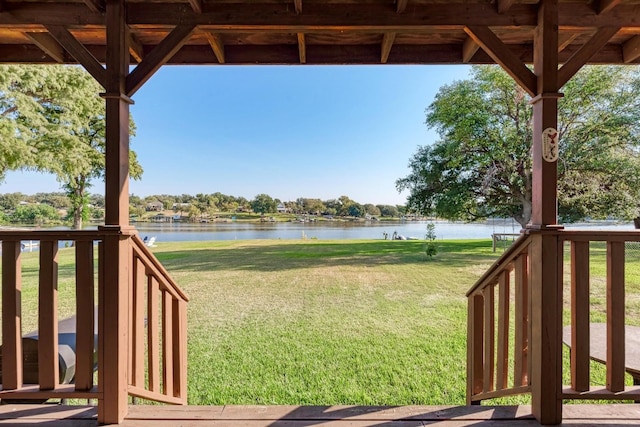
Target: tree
[(263, 203), (481, 164), (57, 114)]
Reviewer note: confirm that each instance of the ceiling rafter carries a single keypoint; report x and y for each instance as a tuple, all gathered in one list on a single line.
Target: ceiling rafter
[(272, 16), (298, 6), (501, 54), (79, 52), (565, 39), (49, 45), (605, 6), (469, 48), (97, 6), (401, 5), (387, 44), (135, 47), (196, 5), (158, 57), (215, 41), (302, 48), (505, 5), (631, 50), (582, 55)]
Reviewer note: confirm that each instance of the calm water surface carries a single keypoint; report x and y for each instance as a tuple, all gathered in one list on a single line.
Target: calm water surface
[(333, 230)]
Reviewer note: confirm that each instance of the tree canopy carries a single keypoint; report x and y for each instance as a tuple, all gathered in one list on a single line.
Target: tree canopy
[(52, 119), (481, 164)]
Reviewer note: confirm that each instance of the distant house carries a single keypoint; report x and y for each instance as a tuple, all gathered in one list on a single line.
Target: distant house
[(161, 218), (155, 207), (281, 208), (181, 206)]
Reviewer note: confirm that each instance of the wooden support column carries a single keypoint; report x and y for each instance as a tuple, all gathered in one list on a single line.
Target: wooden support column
[(114, 256), (546, 280)]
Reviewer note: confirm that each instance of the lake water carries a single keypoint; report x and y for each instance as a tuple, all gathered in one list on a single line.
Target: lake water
[(334, 230)]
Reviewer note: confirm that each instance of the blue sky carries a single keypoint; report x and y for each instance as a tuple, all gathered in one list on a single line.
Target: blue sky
[(287, 131)]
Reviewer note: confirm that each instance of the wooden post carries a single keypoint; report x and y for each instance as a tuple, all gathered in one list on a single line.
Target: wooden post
[(114, 281), (546, 282)]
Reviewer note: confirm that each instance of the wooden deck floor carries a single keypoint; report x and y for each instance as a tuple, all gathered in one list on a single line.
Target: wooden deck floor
[(307, 416)]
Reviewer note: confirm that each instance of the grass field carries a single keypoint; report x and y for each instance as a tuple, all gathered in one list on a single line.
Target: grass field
[(314, 322), (327, 322)]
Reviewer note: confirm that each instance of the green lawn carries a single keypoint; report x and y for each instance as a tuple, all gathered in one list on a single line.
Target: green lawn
[(326, 322)]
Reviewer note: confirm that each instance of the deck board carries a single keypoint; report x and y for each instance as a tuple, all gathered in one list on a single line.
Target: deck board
[(325, 416)]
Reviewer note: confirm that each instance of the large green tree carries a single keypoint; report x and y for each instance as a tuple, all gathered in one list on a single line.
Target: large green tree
[(263, 204), (52, 119), (481, 164)]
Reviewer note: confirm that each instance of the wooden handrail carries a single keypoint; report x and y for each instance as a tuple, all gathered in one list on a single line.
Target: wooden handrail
[(157, 305), (489, 325), (505, 259)]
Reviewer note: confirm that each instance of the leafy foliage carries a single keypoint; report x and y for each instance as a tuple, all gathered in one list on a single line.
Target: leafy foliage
[(481, 165), (263, 203), (431, 249), (54, 121)]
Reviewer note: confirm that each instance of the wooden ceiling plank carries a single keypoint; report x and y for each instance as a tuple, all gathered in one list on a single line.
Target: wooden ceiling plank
[(79, 52), (582, 55), (302, 48), (401, 5), (157, 57), (135, 48), (565, 39), (97, 6), (631, 50), (196, 5), (387, 44), (216, 45), (298, 6), (49, 45), (505, 5), (605, 6), (469, 48), (501, 54)]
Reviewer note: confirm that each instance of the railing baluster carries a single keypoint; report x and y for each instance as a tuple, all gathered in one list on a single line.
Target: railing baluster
[(139, 305), (153, 335), (615, 316), (503, 330), (167, 342), (48, 370), (489, 338), (180, 352), (85, 320), (474, 346), (11, 315), (580, 315), (521, 338)]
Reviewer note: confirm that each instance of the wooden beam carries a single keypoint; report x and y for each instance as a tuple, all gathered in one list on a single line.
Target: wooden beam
[(97, 6), (387, 44), (631, 50), (196, 5), (605, 6), (298, 6), (49, 45), (216, 44), (505, 5), (565, 39), (302, 48), (401, 5), (79, 52), (469, 48), (580, 58), (158, 57), (135, 47), (501, 54)]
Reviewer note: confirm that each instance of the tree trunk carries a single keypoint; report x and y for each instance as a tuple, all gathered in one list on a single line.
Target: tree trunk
[(77, 217)]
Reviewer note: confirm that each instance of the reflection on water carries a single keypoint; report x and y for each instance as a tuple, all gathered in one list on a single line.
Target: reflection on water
[(332, 230)]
